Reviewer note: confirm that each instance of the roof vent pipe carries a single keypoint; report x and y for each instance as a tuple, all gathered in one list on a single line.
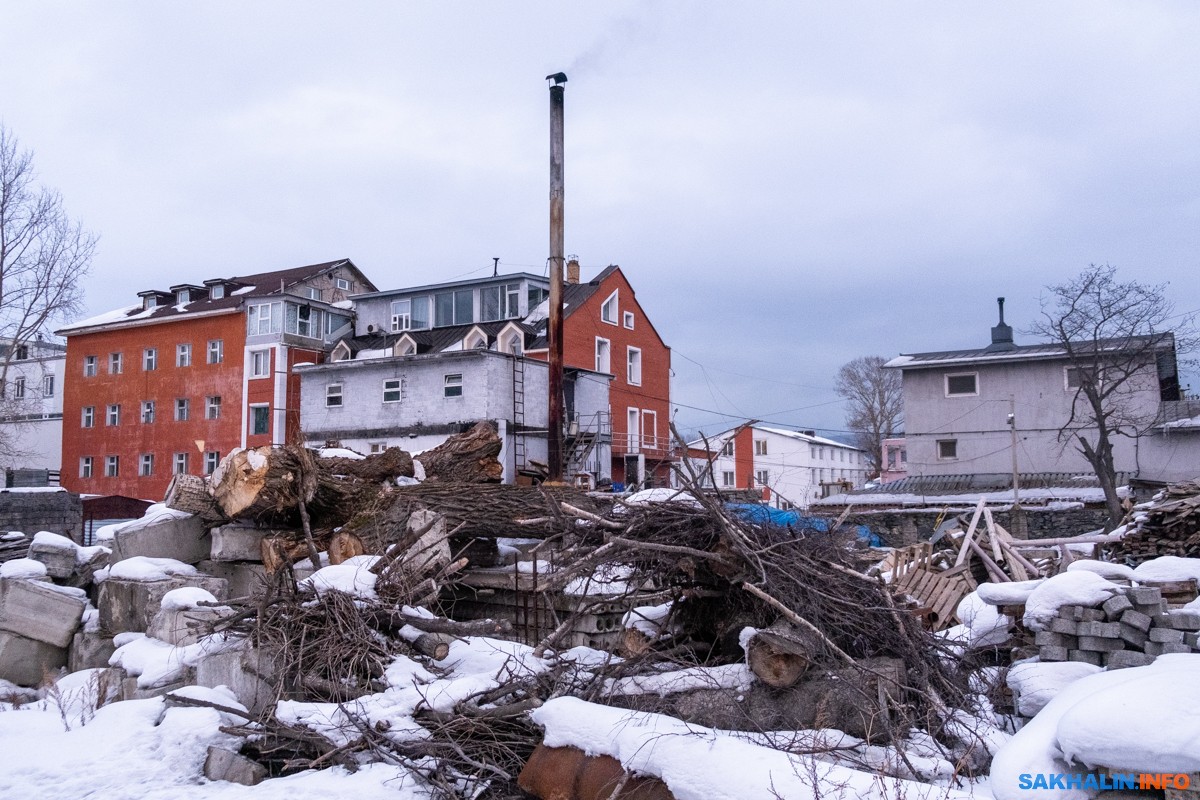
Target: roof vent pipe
[(1002, 334)]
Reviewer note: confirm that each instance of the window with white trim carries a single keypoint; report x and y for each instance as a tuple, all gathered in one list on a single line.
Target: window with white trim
[(727, 449), (333, 395), (183, 355), (727, 478), (19, 387), (114, 363), (393, 390), (260, 419), (149, 359), (212, 407), (260, 363), (216, 291), (89, 366), (147, 411), (627, 319), (313, 293), (342, 284), (211, 459), (216, 351), (608, 309), (183, 409), (85, 467), (760, 447), (401, 315), (962, 384), (947, 449), (146, 465), (112, 466), (603, 355), (180, 464), (88, 417), (762, 477), (114, 415), (633, 366), (452, 385), (374, 448)]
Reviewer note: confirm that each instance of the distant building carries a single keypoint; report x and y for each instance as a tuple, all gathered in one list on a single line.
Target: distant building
[(789, 469), (957, 407), (605, 332), (31, 405), (172, 384), (895, 460)]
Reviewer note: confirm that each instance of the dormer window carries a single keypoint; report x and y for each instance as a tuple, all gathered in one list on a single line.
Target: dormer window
[(183, 296), (608, 311), (149, 301), (216, 291)]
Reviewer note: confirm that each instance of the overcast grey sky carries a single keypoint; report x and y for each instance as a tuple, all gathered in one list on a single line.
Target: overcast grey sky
[(788, 185)]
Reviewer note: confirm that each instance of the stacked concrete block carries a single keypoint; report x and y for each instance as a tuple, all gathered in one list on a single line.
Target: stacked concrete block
[(183, 538), (37, 623), (1131, 629), (130, 605), (184, 626)]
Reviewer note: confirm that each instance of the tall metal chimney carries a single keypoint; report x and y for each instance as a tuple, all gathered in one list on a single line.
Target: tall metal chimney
[(1002, 334), (554, 436)]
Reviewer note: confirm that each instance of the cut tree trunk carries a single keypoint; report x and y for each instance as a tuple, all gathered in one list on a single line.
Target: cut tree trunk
[(470, 457), (190, 493), (780, 655), (386, 466)]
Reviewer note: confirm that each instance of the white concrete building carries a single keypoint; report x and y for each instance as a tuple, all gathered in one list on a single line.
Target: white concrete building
[(31, 403), (790, 468)]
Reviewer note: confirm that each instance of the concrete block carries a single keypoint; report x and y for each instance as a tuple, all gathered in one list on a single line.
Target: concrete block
[(1144, 595), (36, 611), (237, 543), (61, 562), (89, 650), (1192, 640), (1049, 653), (1164, 635), (1150, 609), (1185, 620), (1085, 614), (1085, 656), (1100, 644), (239, 670), (226, 765), (1060, 625), (1110, 630), (127, 605), (1174, 647), (183, 539), (1137, 620), (1117, 605), (131, 691), (1128, 658), (183, 627), (1052, 639), (245, 578), (1134, 637), (26, 662)]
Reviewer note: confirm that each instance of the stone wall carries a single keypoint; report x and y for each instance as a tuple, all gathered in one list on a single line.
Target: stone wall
[(899, 528), (30, 511)]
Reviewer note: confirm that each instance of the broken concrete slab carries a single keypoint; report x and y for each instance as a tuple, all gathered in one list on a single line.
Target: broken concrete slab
[(40, 611), (130, 605), (226, 765), (182, 627), (240, 542), (246, 578), (239, 671), (89, 650), (171, 535), (26, 662), (59, 554)]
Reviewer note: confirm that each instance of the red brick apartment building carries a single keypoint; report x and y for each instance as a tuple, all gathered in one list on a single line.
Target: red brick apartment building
[(174, 383), (605, 329)]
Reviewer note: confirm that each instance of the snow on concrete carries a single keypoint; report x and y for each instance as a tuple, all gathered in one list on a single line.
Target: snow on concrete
[(985, 625), (608, 579), (339, 452), (186, 598), (155, 514), (145, 568), (22, 568), (1141, 719), (1105, 569), (649, 620), (1064, 589), (1168, 568), (1036, 683), (349, 578), (1015, 593), (155, 663)]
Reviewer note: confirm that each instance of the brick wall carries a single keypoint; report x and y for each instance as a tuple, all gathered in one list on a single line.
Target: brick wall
[(30, 512)]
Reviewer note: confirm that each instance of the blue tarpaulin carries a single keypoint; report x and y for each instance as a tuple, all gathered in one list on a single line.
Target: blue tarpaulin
[(767, 515)]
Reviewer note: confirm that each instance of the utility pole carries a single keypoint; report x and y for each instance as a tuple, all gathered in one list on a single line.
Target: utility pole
[(554, 436)]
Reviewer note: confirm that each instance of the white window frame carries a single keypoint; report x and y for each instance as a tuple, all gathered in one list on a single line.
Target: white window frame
[(112, 417), (145, 465), (112, 466), (148, 411), (216, 291), (974, 377), (633, 366), (212, 459), (183, 409), (254, 407), (260, 358), (728, 479), (633, 430), (452, 385), (19, 387), (610, 309), (604, 365), (398, 390), (85, 466), (149, 359), (87, 417), (216, 351), (342, 284), (627, 319), (649, 429), (374, 448), (115, 365), (762, 477), (183, 355), (401, 320), (212, 407), (179, 464), (313, 293), (90, 366), (333, 395), (760, 447), (727, 449), (953, 443)]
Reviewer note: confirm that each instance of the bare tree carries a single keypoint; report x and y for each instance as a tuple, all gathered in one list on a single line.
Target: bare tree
[(43, 256), (874, 404), (1121, 340)]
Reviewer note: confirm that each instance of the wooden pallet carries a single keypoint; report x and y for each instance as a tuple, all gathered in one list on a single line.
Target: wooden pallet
[(938, 591)]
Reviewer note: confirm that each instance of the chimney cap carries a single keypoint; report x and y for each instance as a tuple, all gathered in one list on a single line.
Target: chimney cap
[(559, 78)]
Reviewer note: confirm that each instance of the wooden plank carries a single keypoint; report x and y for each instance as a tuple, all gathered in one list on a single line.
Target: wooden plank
[(962, 553)]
